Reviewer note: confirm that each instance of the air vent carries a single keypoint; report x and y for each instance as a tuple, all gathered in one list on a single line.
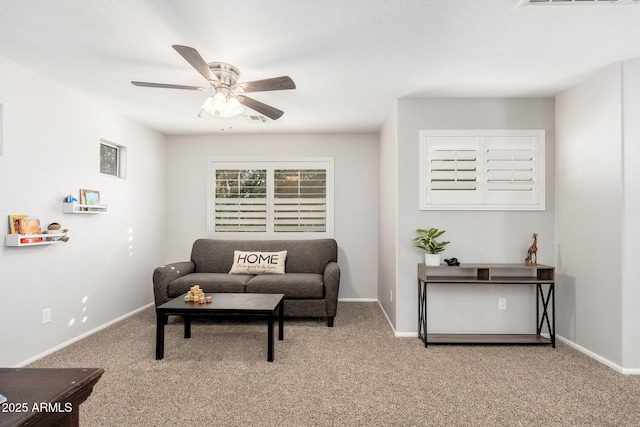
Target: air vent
[(575, 2), (257, 119)]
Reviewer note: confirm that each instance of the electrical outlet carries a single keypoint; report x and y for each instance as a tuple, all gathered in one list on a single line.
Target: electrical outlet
[(391, 294), (502, 303), (46, 315)]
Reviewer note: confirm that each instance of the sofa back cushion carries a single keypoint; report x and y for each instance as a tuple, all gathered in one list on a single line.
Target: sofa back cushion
[(303, 256)]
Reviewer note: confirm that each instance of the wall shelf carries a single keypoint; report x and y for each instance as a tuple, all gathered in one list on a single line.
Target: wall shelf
[(15, 240), (77, 208)]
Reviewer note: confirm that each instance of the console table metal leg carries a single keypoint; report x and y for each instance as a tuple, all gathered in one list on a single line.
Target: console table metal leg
[(544, 318), (160, 321), (422, 311), (553, 314)]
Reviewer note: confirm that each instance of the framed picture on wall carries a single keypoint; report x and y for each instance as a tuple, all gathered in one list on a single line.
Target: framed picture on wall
[(89, 197)]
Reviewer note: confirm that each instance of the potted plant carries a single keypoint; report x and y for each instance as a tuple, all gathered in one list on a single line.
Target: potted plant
[(427, 241)]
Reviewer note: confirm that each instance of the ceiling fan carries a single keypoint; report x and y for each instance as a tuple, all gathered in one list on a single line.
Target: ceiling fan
[(228, 95)]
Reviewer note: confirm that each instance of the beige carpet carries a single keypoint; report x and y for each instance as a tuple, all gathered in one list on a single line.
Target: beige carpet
[(355, 374)]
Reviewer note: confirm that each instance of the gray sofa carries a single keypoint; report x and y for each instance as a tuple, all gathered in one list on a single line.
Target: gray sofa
[(310, 283)]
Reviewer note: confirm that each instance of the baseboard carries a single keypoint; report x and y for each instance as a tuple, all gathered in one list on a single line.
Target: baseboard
[(357, 300), (79, 337), (396, 333), (603, 360)]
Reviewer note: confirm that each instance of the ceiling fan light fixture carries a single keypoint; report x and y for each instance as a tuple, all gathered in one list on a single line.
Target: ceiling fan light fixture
[(208, 107), (234, 108), (219, 101)]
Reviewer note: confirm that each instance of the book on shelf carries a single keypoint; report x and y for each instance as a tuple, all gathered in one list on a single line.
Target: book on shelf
[(13, 223), (27, 226)]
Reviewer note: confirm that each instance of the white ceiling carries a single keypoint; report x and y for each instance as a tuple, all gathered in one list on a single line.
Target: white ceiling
[(350, 59)]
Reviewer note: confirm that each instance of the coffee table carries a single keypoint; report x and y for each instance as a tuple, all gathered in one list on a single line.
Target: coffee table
[(260, 305)]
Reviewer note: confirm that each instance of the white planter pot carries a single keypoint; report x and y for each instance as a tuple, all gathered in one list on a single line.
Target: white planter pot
[(432, 259)]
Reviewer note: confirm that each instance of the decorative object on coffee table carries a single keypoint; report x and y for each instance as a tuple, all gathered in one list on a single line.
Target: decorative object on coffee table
[(532, 253), (427, 241), (196, 294)]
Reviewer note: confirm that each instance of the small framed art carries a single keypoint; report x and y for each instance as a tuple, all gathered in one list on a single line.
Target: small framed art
[(89, 197)]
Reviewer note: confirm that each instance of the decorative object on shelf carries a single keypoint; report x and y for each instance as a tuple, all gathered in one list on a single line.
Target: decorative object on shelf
[(54, 229), (427, 241), (532, 253), (89, 197), (70, 199), (452, 262)]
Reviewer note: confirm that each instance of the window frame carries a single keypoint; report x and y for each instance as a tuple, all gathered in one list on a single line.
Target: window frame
[(270, 164), (120, 158), (527, 193)]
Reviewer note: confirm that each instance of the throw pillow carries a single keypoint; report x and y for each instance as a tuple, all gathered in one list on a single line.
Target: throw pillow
[(258, 262)]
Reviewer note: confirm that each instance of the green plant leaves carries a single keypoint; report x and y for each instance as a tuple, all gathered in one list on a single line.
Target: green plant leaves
[(427, 240)]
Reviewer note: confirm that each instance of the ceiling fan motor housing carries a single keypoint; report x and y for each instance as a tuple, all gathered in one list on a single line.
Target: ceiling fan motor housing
[(227, 74)]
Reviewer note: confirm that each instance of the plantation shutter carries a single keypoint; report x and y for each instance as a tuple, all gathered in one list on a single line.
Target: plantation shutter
[(476, 170), (300, 200), (511, 164), (240, 200)]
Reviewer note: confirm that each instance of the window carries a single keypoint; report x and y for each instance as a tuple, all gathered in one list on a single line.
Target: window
[(274, 199), (112, 159), (482, 170)]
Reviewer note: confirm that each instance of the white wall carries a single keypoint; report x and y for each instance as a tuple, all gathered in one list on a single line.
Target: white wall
[(388, 211), (631, 206), (51, 148), (476, 236), (356, 194), (589, 180)]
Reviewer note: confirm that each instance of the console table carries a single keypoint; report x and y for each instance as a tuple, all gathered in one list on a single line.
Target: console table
[(542, 276)]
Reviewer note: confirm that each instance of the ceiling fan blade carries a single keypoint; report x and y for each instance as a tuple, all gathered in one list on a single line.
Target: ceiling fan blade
[(267, 110), (168, 86), (193, 57), (276, 83)]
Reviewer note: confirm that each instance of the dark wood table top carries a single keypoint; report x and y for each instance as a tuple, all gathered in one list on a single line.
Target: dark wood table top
[(226, 302), (38, 396)]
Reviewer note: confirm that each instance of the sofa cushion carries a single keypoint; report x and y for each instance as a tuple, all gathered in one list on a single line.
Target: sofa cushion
[(258, 262), (209, 282), (292, 285)]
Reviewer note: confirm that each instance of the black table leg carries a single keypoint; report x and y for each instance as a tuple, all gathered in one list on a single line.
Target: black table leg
[(281, 320), (187, 325), (160, 321), (270, 339)]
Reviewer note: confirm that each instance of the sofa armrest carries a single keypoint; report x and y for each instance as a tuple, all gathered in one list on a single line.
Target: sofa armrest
[(331, 287), (165, 274)]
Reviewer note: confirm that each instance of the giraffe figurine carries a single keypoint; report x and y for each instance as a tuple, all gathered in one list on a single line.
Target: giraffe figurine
[(532, 253)]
